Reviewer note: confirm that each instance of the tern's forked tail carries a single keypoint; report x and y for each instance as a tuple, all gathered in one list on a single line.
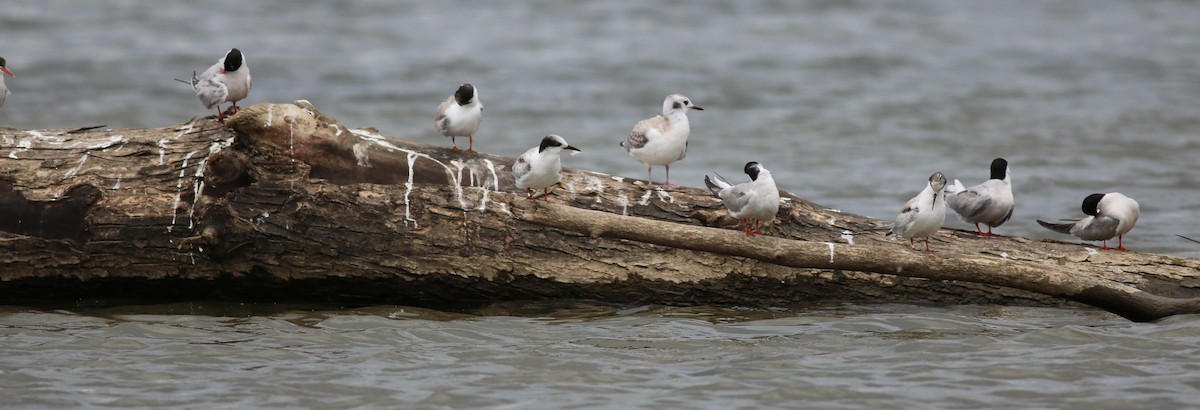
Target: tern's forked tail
[(715, 186)]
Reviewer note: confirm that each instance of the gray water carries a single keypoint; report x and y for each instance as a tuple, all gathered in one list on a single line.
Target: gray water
[(850, 104)]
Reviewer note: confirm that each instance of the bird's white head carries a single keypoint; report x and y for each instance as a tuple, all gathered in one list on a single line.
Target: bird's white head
[(678, 103)]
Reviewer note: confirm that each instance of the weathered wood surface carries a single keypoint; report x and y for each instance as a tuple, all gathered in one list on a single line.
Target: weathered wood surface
[(285, 203)]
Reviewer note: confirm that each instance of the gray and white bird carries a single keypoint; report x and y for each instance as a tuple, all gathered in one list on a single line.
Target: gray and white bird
[(4, 88), (460, 116), (226, 81), (540, 167), (1108, 215), (990, 203), (923, 215), (757, 200), (662, 139)]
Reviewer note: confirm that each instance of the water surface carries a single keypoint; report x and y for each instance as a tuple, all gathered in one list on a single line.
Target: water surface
[(850, 104)]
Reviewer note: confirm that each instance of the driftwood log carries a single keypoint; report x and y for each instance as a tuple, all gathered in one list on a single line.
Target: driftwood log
[(284, 203)]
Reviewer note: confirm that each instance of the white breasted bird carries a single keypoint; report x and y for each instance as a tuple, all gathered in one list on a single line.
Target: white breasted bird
[(1108, 215), (662, 139), (226, 81), (990, 203), (4, 88), (757, 200), (923, 215), (460, 116), (540, 166)]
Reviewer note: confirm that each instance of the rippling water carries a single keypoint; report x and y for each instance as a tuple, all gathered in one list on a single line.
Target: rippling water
[(851, 104), (210, 355)]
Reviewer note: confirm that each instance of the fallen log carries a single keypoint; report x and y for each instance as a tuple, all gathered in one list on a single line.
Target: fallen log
[(284, 203)]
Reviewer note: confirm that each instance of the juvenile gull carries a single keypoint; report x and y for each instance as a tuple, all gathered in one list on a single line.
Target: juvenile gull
[(662, 139), (460, 116)]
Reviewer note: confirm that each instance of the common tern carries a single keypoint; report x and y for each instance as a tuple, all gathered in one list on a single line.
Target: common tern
[(226, 81), (1108, 215), (757, 200), (662, 139), (4, 88), (990, 203), (540, 167), (924, 214), (460, 115)]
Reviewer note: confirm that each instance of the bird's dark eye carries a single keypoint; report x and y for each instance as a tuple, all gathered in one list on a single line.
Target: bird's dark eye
[(686, 102)]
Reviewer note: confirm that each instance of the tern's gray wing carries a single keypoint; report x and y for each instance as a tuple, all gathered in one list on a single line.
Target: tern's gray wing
[(1097, 229), (522, 166), (716, 184), (210, 90), (969, 203), (736, 197), (441, 122), (906, 217)]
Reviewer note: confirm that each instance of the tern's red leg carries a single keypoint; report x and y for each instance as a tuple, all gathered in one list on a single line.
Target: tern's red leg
[(758, 226), (220, 114), (470, 143), (927, 245), (1121, 243), (454, 144), (235, 107), (1104, 246), (649, 175), (546, 193)]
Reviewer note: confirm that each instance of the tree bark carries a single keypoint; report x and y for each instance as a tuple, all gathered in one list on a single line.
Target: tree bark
[(284, 203)]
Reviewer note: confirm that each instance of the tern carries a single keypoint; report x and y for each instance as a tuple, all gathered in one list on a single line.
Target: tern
[(460, 115), (924, 214), (1108, 215), (4, 88), (540, 167), (757, 200), (990, 203), (226, 81)]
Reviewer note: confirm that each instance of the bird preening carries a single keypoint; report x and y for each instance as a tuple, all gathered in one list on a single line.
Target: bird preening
[(990, 203), (1109, 216), (756, 200), (460, 115), (227, 81)]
